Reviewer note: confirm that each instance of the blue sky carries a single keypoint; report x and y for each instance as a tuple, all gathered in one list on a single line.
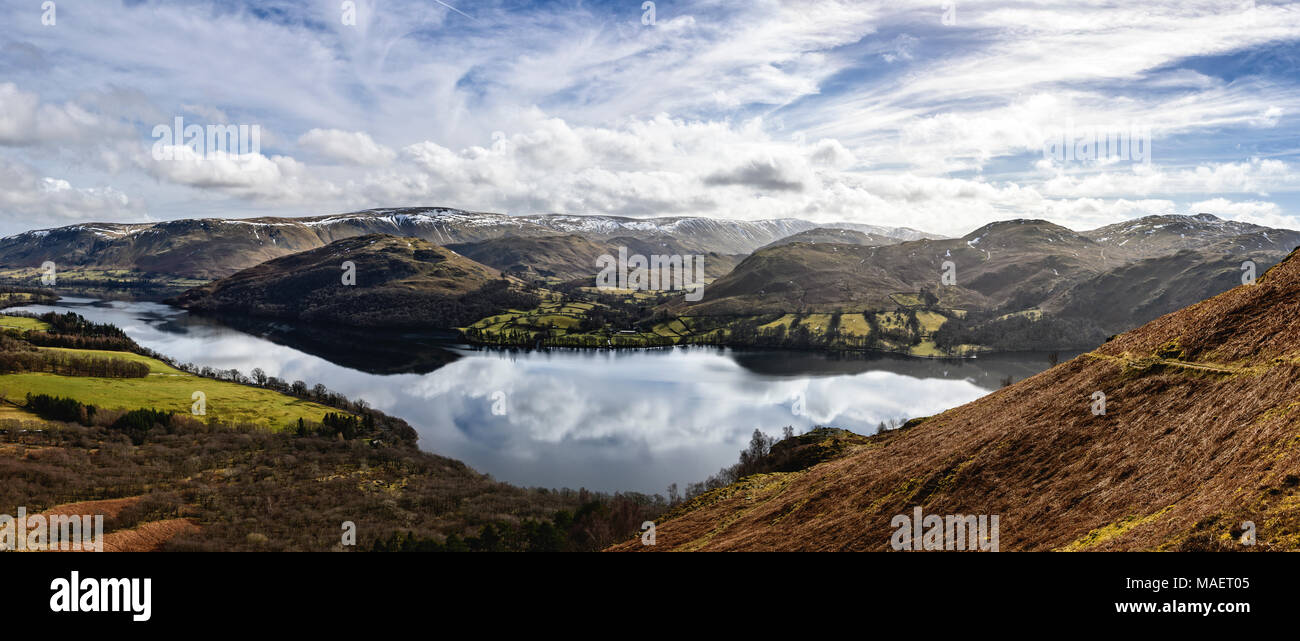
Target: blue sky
[(930, 115)]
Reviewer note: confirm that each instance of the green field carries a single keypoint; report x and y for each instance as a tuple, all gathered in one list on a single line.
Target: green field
[(155, 366), (559, 321), (907, 299), (930, 321), (167, 388), (32, 276), (22, 323), (635, 294), (817, 322), (556, 323), (673, 328), (1031, 314), (854, 324), (783, 321), (891, 320), (15, 298), (99, 280)]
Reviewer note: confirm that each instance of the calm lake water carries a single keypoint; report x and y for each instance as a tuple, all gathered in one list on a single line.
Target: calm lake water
[(604, 420)]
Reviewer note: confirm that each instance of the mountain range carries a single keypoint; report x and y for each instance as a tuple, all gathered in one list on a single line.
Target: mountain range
[(1113, 278), (1017, 284), (215, 248)]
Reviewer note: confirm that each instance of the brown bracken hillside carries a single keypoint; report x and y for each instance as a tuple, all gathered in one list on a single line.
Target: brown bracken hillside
[(1201, 433)]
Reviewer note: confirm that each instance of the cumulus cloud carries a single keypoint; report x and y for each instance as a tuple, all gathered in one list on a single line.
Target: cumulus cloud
[(44, 201), (25, 120), (1250, 211), (767, 174), (251, 175), (349, 147)]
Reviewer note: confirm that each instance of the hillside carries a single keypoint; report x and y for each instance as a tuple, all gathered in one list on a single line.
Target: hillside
[(1161, 235), (399, 282), (993, 264), (1086, 285), (63, 355), (1199, 435), (566, 257), (572, 257), (830, 235)]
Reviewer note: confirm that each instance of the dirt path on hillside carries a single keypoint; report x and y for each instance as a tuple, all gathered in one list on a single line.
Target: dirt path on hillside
[(110, 508), (146, 537)]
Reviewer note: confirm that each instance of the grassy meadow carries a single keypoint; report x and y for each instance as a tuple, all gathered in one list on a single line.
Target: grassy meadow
[(165, 388)]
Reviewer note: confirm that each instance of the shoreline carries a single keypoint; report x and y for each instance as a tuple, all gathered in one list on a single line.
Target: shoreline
[(458, 337)]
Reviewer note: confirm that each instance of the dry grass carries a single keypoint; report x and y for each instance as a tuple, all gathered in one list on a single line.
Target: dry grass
[(148, 537)]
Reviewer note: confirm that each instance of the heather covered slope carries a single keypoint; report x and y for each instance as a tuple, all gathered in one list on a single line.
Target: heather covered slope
[(399, 282), (1201, 432)]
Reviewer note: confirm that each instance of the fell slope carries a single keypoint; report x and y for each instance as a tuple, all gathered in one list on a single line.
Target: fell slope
[(1107, 280), (1160, 235), (564, 257), (1201, 433), (1022, 258), (400, 282), (572, 257), (833, 235)]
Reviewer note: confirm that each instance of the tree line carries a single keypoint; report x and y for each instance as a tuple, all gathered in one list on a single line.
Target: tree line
[(74, 331), (60, 408), (595, 525), (1018, 333), (135, 424), (63, 364)]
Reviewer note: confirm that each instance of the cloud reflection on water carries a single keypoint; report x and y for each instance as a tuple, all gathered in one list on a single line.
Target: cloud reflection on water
[(629, 420)]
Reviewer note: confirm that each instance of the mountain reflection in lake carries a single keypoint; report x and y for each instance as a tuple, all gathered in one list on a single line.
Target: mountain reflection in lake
[(604, 420)]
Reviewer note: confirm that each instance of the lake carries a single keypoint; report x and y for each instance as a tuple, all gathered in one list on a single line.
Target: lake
[(604, 420)]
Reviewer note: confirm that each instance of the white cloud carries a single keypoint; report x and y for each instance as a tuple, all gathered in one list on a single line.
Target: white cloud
[(1253, 176), (45, 201), (252, 175), (349, 147), (1252, 211), (25, 120)]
